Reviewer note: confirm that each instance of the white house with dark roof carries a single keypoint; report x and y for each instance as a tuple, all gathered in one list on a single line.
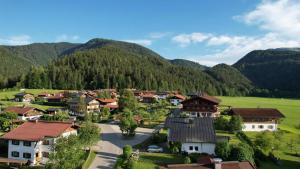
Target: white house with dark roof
[(258, 119), (196, 135)]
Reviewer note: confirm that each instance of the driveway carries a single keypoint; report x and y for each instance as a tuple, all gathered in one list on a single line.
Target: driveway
[(111, 144)]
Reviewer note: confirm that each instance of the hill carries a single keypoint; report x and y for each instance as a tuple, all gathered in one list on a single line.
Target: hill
[(187, 63), (234, 81), (277, 70), (15, 60), (103, 63)]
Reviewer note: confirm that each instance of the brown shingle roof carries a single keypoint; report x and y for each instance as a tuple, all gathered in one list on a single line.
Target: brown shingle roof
[(103, 100), (257, 112), (35, 131), (19, 110)]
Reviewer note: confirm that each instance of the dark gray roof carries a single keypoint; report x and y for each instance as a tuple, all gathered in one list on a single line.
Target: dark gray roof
[(191, 130)]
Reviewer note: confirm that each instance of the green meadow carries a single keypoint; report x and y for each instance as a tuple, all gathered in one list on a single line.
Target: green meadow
[(290, 125)]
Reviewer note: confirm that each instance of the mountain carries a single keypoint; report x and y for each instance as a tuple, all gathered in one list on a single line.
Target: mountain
[(277, 70), (15, 60), (101, 63), (234, 81), (187, 63)]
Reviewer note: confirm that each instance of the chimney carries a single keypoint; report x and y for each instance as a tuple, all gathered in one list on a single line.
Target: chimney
[(218, 165)]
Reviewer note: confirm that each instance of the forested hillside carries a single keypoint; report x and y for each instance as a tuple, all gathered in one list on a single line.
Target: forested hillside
[(187, 63), (112, 64), (277, 70), (16, 60)]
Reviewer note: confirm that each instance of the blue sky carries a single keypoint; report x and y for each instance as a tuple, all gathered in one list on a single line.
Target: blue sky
[(205, 31)]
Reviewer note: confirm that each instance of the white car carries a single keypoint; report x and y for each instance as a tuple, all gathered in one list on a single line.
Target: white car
[(154, 149)]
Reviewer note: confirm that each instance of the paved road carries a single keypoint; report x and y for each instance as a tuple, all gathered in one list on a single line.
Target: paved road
[(111, 145)]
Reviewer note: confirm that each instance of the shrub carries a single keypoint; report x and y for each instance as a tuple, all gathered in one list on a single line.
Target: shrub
[(221, 123), (187, 160), (222, 150), (235, 124)]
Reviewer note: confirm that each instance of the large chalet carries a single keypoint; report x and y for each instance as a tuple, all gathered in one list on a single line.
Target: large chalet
[(33, 140), (258, 119), (201, 106)]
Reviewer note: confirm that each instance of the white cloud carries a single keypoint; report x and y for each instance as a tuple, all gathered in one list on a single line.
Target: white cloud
[(143, 42), (236, 47), (279, 20), (277, 16), (186, 39), (16, 40), (66, 38)]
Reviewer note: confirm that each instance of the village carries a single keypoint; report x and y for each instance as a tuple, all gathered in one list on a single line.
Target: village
[(194, 129)]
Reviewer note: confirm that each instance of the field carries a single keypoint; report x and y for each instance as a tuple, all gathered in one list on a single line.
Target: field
[(7, 95), (291, 109)]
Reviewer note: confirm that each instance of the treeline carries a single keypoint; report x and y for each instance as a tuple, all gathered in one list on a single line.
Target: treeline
[(111, 66)]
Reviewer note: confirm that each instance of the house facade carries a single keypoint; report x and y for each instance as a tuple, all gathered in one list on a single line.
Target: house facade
[(176, 99), (201, 106), (24, 97), (33, 140), (90, 105), (25, 113), (196, 135), (258, 119)]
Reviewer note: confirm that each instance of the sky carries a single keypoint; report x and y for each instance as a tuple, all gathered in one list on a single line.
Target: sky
[(205, 31)]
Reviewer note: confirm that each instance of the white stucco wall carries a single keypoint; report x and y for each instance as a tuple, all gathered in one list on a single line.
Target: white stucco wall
[(22, 149), (208, 148), (256, 126)]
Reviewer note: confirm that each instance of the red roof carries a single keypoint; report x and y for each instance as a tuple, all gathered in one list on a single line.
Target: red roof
[(111, 106), (257, 112), (103, 100), (55, 97), (19, 110), (35, 131), (179, 96)]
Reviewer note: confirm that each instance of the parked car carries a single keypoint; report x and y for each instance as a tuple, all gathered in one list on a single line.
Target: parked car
[(154, 149)]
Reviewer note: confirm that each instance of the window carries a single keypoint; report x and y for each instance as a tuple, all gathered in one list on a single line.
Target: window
[(26, 155), (196, 148), (261, 126), (45, 154), (15, 142), (27, 143), (253, 126), (270, 126), (46, 142), (15, 154), (191, 148)]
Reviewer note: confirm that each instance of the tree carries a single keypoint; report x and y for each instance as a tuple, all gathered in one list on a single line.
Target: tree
[(60, 116), (6, 120), (242, 152), (88, 133), (222, 150), (235, 124), (127, 151), (264, 141), (127, 100), (105, 113), (221, 123), (67, 153), (81, 108)]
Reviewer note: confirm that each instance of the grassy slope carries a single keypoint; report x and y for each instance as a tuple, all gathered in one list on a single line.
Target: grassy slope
[(10, 95), (290, 108)]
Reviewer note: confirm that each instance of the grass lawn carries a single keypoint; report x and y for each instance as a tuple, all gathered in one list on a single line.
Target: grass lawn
[(152, 160), (89, 160), (4, 95), (291, 109)]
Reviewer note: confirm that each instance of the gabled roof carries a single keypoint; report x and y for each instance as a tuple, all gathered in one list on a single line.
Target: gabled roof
[(257, 112), (191, 130), (104, 100), (20, 110), (211, 99), (37, 130), (22, 94), (178, 96)]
